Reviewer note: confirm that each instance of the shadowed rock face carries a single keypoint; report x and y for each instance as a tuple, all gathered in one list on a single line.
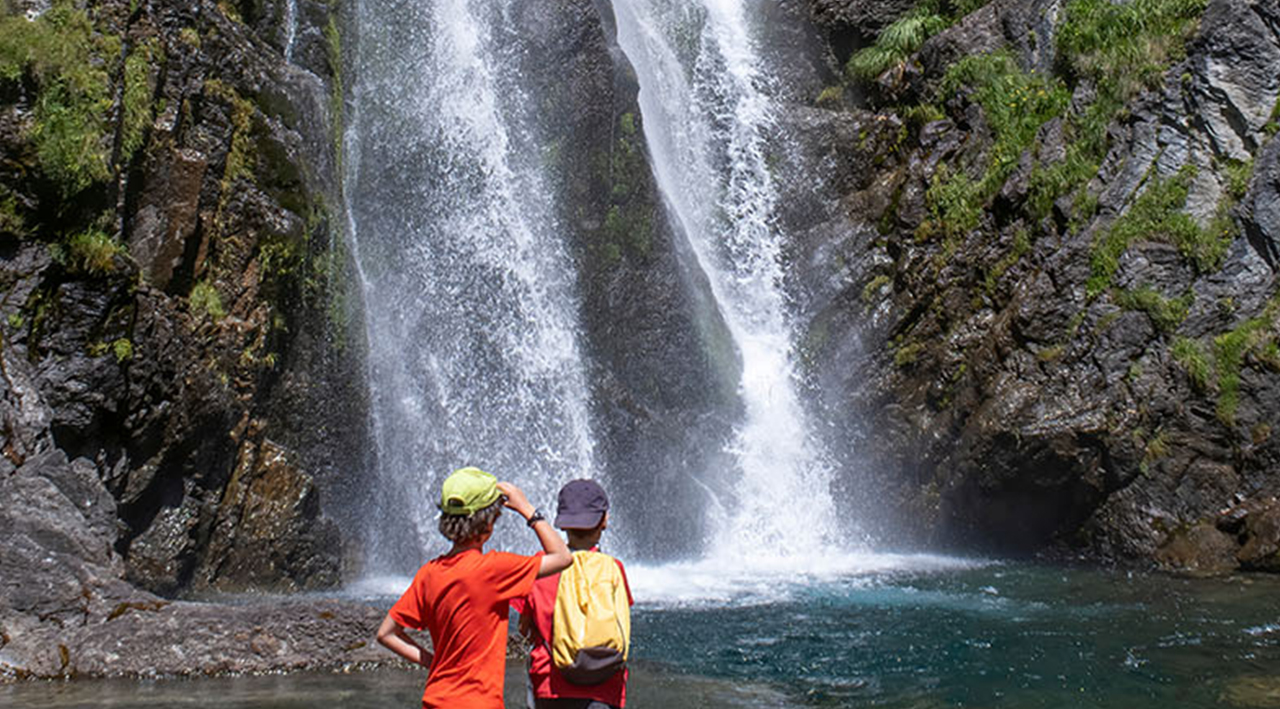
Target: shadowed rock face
[(177, 366), (1009, 401)]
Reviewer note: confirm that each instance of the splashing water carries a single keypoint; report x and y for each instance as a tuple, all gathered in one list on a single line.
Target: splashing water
[(470, 304), (290, 28)]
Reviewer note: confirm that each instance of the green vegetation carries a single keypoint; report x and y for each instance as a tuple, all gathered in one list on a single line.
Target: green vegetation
[(139, 87), (333, 43), (1021, 245), (64, 57), (1229, 350), (906, 35), (871, 291), (1238, 174), (1157, 214), (907, 354), (122, 348), (11, 221), (190, 36), (240, 158), (1016, 104), (1193, 358), (898, 41), (93, 252), (204, 298), (1256, 336), (830, 96), (1165, 313), (1118, 49)]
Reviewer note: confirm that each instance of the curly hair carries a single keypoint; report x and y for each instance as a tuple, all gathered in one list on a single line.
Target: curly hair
[(461, 529)]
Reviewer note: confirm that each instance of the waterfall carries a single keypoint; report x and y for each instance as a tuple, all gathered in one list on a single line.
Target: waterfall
[(471, 310), (705, 97), (290, 28)]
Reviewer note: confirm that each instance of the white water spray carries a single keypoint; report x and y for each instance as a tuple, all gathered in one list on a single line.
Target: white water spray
[(705, 101), (470, 302), (290, 28)]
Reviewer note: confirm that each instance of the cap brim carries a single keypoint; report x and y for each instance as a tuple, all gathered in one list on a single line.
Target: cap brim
[(581, 520)]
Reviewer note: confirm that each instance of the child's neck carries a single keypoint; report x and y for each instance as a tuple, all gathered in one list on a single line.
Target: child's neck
[(459, 548)]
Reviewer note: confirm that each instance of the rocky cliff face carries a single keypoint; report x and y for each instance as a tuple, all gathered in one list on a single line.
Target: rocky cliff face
[(1057, 316), (174, 313)]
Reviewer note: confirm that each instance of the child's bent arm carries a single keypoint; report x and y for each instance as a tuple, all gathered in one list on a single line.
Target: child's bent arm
[(392, 636), (558, 557)]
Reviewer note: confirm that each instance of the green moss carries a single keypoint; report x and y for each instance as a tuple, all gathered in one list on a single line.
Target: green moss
[(333, 45), (240, 157), (871, 291), (11, 220), (1154, 449), (830, 96), (1273, 123), (16, 321), (122, 348), (1165, 313), (907, 354), (190, 36), (204, 298), (1193, 358), (627, 124), (1021, 245), (93, 252), (139, 88)]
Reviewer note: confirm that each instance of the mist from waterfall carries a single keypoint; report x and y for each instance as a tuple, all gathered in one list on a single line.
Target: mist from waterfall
[(705, 97), (471, 310)]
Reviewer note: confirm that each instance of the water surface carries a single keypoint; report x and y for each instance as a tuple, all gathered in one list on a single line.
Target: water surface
[(905, 632)]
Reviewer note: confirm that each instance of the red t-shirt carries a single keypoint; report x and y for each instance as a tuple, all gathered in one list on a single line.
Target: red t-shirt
[(547, 681), (462, 601)]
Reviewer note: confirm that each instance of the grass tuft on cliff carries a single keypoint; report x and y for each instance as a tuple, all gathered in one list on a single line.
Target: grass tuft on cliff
[(62, 56), (1016, 104)]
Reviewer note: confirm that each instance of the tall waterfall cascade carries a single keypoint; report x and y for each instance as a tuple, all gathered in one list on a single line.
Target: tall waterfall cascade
[(475, 349), (705, 96), (471, 312)]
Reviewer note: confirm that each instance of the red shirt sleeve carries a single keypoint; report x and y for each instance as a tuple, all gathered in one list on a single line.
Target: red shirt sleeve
[(511, 576)]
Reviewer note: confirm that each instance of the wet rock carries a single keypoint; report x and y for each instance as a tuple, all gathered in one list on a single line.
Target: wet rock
[(1262, 206), (1201, 550), (1236, 85), (268, 532), (142, 636), (863, 18), (1260, 549)]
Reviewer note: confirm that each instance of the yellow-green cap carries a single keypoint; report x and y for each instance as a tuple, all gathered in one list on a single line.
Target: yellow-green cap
[(467, 491)]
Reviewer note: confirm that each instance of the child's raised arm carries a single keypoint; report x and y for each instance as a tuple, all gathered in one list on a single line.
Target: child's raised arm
[(558, 557)]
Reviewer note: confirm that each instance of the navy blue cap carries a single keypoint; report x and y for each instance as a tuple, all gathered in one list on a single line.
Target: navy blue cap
[(581, 505)]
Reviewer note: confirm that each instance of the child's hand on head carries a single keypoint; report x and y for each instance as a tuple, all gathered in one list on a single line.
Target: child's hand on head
[(515, 499)]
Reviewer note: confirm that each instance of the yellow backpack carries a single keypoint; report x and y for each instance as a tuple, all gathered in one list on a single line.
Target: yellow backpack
[(591, 625)]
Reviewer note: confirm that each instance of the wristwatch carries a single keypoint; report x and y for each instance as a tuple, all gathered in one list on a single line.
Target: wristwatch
[(536, 517)]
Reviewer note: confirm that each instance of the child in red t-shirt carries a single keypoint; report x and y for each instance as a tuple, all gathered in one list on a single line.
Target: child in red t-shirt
[(582, 510), (461, 598)]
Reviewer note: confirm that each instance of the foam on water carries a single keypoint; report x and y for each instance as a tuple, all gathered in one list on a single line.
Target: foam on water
[(717, 581)]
